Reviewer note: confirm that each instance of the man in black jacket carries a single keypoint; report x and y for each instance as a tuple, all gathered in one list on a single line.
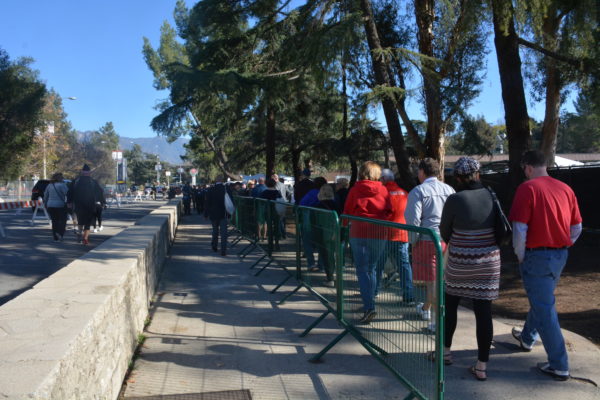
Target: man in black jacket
[(214, 209), (84, 193)]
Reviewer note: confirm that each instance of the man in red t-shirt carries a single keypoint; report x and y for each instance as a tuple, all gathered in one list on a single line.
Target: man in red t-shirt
[(546, 222), (397, 243)]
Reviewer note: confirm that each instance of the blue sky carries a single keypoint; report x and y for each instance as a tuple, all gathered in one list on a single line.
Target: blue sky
[(93, 51)]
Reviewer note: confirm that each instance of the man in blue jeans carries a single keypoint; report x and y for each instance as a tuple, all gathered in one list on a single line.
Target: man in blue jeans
[(546, 222)]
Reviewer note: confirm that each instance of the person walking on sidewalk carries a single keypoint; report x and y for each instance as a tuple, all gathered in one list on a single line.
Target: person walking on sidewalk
[(214, 209), (473, 268), (546, 222), (424, 208), (83, 195), (55, 200)]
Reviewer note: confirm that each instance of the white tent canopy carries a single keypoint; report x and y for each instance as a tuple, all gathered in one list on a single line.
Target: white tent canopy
[(565, 162)]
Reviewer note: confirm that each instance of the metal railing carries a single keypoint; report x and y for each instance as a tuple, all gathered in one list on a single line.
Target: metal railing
[(366, 274)]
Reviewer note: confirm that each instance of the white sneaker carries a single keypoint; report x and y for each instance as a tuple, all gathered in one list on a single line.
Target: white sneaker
[(431, 327), (425, 314), (101, 228), (95, 230)]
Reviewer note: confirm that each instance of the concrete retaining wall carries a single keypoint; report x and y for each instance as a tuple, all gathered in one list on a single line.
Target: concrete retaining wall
[(72, 336)]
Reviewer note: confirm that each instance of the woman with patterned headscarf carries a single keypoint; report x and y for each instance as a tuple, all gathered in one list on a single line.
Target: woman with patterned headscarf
[(473, 268)]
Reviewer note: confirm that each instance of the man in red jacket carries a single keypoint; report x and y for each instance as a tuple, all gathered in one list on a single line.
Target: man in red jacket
[(397, 244)]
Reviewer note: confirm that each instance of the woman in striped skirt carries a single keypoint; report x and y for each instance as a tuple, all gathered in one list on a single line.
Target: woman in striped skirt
[(473, 267)]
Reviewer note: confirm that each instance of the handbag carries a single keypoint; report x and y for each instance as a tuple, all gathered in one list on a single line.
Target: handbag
[(502, 227), (229, 207)]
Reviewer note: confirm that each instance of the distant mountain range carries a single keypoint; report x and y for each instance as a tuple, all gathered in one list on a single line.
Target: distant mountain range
[(169, 152)]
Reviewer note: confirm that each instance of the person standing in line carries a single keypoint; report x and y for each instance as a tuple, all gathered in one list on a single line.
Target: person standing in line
[(55, 201), (424, 209), (214, 209), (83, 195), (368, 198), (310, 199), (187, 198), (303, 186), (341, 192), (397, 244), (546, 222), (473, 268), (258, 189)]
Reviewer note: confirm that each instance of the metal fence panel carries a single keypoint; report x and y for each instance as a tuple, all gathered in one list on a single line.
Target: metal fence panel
[(394, 282)]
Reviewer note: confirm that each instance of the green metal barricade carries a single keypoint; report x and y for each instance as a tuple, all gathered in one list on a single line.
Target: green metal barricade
[(279, 244), (378, 307), (373, 266), (245, 220)]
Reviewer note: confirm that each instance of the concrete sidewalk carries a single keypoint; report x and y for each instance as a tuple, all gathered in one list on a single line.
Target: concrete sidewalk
[(216, 328)]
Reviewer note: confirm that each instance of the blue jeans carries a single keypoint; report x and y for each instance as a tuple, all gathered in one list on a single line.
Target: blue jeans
[(398, 252), (366, 254), (541, 271)]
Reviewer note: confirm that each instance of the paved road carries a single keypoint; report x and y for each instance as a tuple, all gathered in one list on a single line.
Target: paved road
[(28, 254)]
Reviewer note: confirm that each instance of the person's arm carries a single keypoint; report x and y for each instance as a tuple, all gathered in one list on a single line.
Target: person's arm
[(575, 232), (447, 220), (412, 214), (519, 239), (46, 195)]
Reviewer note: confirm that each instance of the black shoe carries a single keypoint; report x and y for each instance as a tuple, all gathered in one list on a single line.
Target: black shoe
[(367, 317), (214, 248), (223, 253), (557, 375)]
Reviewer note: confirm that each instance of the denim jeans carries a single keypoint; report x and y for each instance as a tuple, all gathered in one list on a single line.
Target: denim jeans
[(398, 252), (366, 254), (541, 271), (222, 225)]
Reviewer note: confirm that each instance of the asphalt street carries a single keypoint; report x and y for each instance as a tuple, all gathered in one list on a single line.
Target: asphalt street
[(28, 254)]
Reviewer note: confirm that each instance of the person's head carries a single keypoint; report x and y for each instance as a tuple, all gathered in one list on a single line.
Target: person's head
[(250, 184), (533, 163), (325, 193), (466, 171), (57, 177), (271, 183), (387, 175), (275, 177), (341, 183), (428, 167), (261, 180), (85, 171), (305, 173), (370, 171), (319, 182)]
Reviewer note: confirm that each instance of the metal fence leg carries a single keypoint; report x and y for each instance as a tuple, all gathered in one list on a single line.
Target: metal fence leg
[(246, 250), (287, 296), (317, 321), (263, 268), (317, 358), (258, 261), (281, 284)]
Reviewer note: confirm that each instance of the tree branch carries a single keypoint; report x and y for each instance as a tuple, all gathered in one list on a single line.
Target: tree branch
[(579, 64)]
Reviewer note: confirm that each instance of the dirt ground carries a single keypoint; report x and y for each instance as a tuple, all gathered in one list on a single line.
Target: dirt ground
[(577, 295)]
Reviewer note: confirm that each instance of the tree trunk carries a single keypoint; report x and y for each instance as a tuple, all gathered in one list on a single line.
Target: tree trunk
[(425, 15), (296, 167), (401, 108), (380, 68), (513, 92), (553, 88), (270, 141)]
